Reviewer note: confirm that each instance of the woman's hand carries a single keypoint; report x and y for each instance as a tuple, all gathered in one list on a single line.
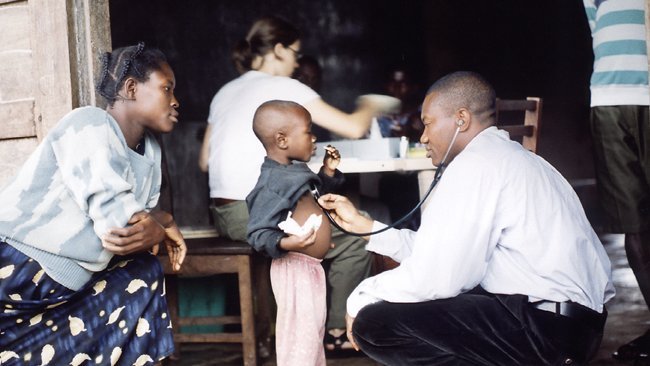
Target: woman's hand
[(176, 248), (142, 233), (146, 232), (345, 214)]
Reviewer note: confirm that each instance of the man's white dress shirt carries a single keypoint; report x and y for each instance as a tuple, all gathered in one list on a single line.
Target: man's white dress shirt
[(503, 218)]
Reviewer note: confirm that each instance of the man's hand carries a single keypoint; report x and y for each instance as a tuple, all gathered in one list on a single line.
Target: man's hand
[(331, 160), (349, 321), (345, 214), (143, 233)]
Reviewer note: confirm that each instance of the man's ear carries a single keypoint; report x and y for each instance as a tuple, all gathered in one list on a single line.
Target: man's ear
[(464, 115), (281, 140)]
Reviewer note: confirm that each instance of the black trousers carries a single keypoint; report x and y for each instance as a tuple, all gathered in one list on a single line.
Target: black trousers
[(475, 328)]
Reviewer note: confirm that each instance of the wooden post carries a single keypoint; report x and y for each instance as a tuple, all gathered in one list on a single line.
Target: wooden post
[(90, 37), (66, 38), (51, 62)]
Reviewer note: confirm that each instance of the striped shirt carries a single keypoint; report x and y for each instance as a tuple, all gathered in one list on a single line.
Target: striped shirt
[(620, 75)]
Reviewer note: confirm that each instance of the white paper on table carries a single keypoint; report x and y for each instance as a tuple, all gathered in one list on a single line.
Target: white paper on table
[(375, 131), (290, 226)]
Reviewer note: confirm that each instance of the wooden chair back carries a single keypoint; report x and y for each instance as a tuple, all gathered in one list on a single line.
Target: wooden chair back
[(509, 111)]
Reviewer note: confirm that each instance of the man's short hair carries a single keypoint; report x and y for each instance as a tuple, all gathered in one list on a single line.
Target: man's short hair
[(466, 89)]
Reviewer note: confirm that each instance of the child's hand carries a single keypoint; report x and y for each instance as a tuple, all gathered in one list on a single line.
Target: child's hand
[(331, 160), (294, 243)]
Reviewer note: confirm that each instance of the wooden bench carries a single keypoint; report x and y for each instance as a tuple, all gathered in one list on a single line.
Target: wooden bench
[(210, 255)]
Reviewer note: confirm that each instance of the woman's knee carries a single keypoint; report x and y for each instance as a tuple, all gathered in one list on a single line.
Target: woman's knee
[(143, 266)]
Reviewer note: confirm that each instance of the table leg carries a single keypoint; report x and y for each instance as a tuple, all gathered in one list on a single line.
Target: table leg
[(425, 177)]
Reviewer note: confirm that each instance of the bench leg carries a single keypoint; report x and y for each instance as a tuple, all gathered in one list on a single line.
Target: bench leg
[(263, 304), (246, 308)]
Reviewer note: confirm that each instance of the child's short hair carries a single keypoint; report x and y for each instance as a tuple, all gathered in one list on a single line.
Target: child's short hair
[(270, 116)]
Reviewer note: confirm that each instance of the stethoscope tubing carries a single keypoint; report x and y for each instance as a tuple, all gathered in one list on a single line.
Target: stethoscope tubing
[(436, 179)]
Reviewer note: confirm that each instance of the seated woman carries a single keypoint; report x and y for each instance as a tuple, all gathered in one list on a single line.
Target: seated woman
[(77, 282)]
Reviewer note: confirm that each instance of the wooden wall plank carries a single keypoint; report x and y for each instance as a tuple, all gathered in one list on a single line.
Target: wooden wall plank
[(16, 80), (51, 58), (16, 72), (7, 2), (17, 119), (14, 153), (14, 26), (48, 55)]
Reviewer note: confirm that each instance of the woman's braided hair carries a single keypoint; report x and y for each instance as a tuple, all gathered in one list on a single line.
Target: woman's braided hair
[(133, 61)]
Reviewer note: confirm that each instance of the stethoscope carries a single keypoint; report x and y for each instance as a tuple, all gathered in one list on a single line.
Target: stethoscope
[(436, 179)]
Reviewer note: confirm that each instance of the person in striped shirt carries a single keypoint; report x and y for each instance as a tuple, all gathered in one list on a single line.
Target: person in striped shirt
[(620, 129)]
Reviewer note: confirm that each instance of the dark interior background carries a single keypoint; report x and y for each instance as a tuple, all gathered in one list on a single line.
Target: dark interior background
[(523, 47)]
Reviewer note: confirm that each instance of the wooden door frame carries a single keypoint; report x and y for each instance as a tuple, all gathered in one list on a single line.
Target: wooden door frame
[(68, 37)]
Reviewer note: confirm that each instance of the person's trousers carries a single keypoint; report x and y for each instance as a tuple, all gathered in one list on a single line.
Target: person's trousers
[(476, 328), (346, 265), (621, 145), (298, 283)]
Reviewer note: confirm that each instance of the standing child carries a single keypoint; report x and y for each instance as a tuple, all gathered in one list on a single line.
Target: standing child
[(297, 277)]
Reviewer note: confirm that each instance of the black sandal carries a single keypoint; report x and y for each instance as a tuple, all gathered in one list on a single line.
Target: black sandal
[(333, 343), (339, 347), (635, 349)]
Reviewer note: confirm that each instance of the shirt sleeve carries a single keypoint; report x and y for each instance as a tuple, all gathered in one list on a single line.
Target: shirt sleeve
[(94, 166), (331, 184), (447, 255), (265, 212), (393, 243)]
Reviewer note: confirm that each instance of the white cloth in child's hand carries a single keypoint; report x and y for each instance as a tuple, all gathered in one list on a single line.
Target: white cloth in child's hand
[(290, 226)]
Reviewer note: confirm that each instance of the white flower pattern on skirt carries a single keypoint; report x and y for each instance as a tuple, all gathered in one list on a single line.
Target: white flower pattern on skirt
[(118, 318)]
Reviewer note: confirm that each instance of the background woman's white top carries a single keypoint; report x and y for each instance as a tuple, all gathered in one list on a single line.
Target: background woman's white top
[(236, 155)]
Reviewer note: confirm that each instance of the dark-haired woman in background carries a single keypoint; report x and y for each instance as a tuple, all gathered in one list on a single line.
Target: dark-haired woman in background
[(77, 282)]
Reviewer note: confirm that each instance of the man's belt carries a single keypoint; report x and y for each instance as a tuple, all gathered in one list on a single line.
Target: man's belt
[(217, 202), (569, 309)]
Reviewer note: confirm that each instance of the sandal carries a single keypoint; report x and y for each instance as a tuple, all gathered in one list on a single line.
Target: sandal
[(336, 342), (635, 349)]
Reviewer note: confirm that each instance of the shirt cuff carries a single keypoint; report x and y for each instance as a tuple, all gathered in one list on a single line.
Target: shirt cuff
[(376, 244), (358, 299)]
